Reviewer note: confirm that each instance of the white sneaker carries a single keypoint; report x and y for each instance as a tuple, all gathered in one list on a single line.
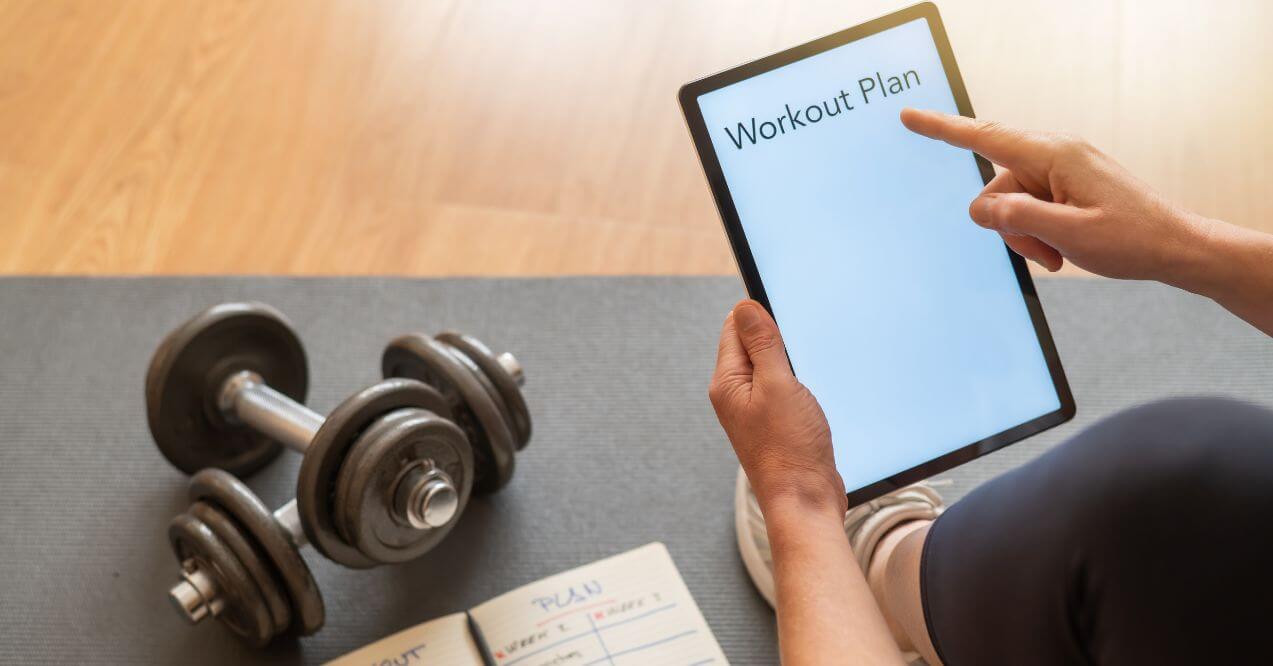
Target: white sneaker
[(864, 525)]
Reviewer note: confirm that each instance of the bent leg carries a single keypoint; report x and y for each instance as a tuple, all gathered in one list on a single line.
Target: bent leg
[(1147, 538)]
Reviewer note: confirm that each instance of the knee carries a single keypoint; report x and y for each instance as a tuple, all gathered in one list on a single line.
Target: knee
[(1158, 455)]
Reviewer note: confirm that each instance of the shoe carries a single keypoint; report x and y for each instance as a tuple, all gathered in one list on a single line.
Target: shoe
[(864, 525)]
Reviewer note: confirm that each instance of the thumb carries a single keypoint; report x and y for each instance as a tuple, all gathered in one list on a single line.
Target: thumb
[(1022, 214), (760, 337)]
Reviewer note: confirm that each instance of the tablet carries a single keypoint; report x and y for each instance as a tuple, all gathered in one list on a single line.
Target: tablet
[(920, 333)]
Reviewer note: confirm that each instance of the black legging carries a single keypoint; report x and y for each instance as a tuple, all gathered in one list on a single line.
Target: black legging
[(1145, 539)]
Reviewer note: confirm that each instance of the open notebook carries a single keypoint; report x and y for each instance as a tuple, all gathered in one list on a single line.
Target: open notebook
[(627, 609)]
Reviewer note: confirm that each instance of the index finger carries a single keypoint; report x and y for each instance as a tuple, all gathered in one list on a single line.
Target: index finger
[(1002, 145)]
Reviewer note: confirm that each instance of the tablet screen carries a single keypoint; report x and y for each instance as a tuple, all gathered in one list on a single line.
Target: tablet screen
[(904, 318)]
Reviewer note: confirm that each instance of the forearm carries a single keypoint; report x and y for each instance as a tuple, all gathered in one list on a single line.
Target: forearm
[(1231, 265), (826, 613)]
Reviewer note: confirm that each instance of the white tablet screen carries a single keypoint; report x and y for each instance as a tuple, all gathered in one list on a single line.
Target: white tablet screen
[(902, 316)]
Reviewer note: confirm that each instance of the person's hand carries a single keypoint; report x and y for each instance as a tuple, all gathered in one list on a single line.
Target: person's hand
[(1060, 198), (777, 428)]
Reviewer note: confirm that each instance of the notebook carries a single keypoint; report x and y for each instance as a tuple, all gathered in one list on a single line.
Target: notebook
[(632, 608)]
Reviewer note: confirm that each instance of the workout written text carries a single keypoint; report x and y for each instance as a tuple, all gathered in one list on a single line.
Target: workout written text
[(870, 88)]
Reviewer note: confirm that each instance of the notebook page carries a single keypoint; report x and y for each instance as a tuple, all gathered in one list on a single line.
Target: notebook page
[(445, 640), (632, 608)]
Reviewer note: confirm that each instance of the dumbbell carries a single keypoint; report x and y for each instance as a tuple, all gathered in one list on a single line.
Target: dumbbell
[(383, 476), (241, 563), (482, 388)]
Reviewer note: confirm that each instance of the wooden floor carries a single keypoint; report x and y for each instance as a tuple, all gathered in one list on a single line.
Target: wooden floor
[(429, 137)]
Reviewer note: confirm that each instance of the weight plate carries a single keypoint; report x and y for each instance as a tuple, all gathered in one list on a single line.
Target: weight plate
[(316, 487), (368, 481), (355, 458), (232, 536), (186, 373), (244, 611), (434, 363), (236, 499), (505, 386), (474, 372), (480, 375)]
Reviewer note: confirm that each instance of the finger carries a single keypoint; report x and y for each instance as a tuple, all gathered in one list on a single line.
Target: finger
[(759, 336), (1003, 183), (732, 363), (1008, 181), (1024, 215), (1027, 246), (1035, 250), (1002, 145)]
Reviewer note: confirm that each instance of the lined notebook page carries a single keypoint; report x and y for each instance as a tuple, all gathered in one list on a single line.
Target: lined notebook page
[(628, 609), (445, 640)]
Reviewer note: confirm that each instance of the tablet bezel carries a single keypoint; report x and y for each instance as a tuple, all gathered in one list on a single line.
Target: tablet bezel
[(688, 96)]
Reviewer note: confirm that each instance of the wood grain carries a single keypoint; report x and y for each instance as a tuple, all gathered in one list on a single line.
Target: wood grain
[(444, 137)]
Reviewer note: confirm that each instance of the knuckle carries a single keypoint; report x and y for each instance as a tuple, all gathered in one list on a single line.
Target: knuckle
[(1072, 146), (716, 393), (990, 126), (1006, 209), (763, 342), (721, 392)]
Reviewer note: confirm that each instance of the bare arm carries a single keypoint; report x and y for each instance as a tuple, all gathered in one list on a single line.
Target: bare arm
[(1233, 266), (826, 614), (1062, 199)]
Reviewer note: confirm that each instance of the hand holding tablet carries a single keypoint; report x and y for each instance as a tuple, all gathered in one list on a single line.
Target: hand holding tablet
[(919, 333), (765, 411)]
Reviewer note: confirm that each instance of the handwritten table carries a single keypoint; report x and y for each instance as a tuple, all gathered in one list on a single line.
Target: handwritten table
[(625, 451)]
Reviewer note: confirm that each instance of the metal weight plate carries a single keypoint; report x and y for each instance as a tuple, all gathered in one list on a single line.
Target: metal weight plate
[(368, 481), (236, 499), (186, 373), (434, 363), (244, 613), (506, 386), (316, 487), (233, 537), (372, 433), (505, 416)]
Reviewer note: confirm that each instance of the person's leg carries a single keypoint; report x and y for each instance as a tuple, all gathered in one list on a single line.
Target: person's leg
[(1144, 539), (894, 580)]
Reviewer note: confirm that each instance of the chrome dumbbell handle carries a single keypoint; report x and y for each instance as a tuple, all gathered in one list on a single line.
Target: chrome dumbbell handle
[(288, 516), (245, 398)]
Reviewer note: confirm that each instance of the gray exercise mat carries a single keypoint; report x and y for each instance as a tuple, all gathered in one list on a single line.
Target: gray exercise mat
[(626, 449)]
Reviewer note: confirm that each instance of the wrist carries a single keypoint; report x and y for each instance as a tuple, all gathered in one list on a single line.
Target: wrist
[(785, 518), (1198, 261), (801, 504), (1216, 259)]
